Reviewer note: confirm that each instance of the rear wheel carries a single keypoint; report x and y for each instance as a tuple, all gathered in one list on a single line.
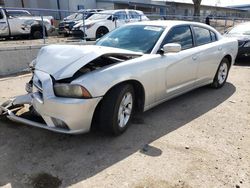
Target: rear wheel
[(101, 31), (221, 74), (117, 109)]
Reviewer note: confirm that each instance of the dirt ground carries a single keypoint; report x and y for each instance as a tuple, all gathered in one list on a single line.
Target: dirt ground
[(200, 139)]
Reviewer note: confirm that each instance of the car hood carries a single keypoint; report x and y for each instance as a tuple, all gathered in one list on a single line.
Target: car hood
[(87, 22), (63, 61), (238, 36)]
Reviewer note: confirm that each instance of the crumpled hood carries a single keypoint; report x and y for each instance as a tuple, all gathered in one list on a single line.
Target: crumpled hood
[(62, 61)]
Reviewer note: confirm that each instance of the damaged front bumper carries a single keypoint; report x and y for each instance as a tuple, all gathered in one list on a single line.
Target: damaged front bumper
[(69, 116), (62, 115)]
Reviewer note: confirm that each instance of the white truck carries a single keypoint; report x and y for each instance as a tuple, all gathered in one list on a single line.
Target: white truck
[(20, 23)]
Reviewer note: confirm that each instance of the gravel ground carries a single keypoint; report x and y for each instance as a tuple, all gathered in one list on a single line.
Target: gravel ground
[(200, 139)]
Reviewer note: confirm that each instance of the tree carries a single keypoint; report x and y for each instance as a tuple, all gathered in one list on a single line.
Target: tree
[(197, 7)]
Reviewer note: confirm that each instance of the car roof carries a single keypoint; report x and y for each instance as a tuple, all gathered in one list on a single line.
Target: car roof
[(117, 10), (171, 23)]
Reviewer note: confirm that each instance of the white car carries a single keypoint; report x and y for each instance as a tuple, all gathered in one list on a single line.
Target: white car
[(105, 21), (129, 70), (17, 23)]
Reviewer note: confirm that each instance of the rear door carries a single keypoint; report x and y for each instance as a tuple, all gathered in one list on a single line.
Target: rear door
[(209, 53), (4, 28)]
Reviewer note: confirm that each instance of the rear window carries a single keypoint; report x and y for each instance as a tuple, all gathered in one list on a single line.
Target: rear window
[(202, 36), (213, 36)]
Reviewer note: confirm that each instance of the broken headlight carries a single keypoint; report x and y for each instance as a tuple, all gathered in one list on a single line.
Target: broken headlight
[(71, 91)]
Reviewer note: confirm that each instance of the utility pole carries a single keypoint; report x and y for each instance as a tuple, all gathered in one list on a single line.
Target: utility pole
[(59, 7)]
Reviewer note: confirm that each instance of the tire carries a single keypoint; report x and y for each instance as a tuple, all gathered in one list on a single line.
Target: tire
[(37, 34), (113, 116), (221, 74), (101, 31)]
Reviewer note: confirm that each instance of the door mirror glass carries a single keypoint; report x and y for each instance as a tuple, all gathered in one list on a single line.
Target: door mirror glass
[(171, 48)]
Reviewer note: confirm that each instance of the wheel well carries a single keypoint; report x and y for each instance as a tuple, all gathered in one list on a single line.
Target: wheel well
[(139, 100), (38, 28), (102, 27), (229, 58)]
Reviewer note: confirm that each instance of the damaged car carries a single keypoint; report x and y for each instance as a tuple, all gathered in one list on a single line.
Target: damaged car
[(128, 71)]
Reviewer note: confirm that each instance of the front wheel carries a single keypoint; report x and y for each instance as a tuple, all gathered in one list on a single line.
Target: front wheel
[(221, 74), (101, 31), (117, 109)]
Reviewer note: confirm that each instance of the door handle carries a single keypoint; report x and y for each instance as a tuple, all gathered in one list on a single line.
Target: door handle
[(194, 58), (220, 48)]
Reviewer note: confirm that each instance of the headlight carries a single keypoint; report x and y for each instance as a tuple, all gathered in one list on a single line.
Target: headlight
[(247, 44), (71, 91)]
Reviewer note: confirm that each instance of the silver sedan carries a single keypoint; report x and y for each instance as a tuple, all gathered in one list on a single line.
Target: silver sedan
[(128, 71)]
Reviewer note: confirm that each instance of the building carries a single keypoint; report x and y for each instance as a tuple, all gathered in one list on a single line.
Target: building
[(152, 7)]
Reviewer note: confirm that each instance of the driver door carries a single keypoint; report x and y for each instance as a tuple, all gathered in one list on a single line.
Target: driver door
[(180, 69)]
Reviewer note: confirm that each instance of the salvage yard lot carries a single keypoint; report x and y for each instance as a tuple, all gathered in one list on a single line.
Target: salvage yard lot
[(200, 139)]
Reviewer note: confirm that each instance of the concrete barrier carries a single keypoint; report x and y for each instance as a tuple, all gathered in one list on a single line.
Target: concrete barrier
[(17, 59)]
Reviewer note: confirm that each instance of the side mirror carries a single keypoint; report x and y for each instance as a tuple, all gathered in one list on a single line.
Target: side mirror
[(171, 48)]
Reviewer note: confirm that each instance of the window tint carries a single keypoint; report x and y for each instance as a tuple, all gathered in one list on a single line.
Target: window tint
[(181, 35), (121, 15), (1, 15), (202, 36), (213, 36)]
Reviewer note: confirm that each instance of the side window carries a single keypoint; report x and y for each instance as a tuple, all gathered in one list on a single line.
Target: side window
[(213, 36), (202, 36), (181, 35), (134, 15), (121, 15), (1, 15)]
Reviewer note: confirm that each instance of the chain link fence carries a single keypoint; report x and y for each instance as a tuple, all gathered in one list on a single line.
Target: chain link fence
[(51, 22)]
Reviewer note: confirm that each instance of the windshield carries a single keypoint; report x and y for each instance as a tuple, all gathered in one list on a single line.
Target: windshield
[(101, 16), (241, 29), (138, 38)]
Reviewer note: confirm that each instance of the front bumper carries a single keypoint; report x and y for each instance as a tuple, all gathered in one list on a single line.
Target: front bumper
[(63, 115), (78, 33)]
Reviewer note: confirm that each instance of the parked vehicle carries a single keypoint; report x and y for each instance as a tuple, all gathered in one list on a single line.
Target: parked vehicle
[(105, 21), (19, 23), (129, 70), (242, 33), (67, 24)]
